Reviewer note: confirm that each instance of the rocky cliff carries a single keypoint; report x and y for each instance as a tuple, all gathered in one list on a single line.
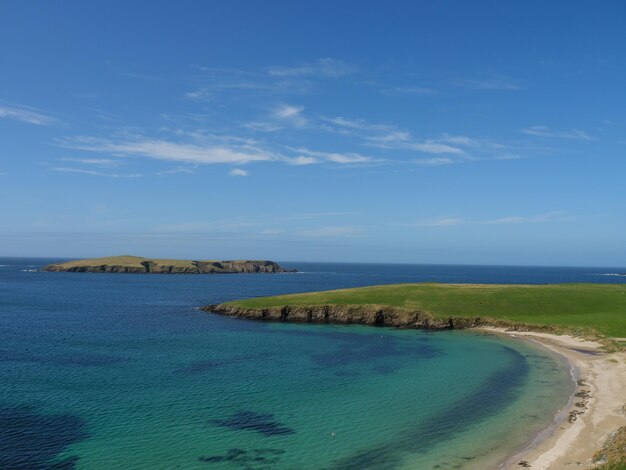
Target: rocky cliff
[(374, 315), (133, 264)]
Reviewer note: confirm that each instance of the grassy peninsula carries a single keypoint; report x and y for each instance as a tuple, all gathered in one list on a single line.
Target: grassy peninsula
[(584, 308), (137, 264)]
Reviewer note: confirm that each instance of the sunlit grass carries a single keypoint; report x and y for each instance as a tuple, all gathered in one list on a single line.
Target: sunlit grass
[(593, 307)]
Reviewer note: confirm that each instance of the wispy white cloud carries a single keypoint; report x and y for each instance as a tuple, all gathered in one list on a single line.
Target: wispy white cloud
[(556, 216), (451, 220), (452, 149), (332, 231), (386, 136), (473, 142), (214, 82), (203, 93), (357, 124), (408, 90), (496, 82), (480, 149), (287, 112), (265, 224), (103, 115), (344, 157), (446, 221), (96, 173), (181, 152), (291, 114), (204, 137), (436, 161), (508, 156), (176, 170), (141, 76), (333, 157), (186, 227), (252, 87), (326, 68), (311, 215), (236, 225), (26, 114), (101, 162), (238, 172), (264, 126), (544, 131), (289, 226), (199, 148), (279, 118), (301, 160), (403, 140), (271, 231)]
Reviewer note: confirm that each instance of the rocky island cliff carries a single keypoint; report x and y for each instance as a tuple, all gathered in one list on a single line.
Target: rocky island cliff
[(374, 315), (137, 264)]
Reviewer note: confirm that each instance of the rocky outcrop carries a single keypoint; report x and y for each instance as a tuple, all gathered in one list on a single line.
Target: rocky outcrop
[(156, 267), (374, 315), (347, 314)]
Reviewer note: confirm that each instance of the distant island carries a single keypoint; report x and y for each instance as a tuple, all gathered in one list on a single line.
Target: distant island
[(139, 265)]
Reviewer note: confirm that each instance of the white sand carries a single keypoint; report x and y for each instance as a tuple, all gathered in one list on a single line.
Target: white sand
[(571, 445)]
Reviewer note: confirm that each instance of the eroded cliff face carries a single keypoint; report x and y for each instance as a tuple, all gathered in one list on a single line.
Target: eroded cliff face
[(346, 314), (374, 315), (194, 267)]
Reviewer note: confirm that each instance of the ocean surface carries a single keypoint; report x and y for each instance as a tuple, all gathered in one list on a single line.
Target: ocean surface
[(123, 372)]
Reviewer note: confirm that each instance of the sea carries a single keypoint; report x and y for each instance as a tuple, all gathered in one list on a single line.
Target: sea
[(122, 371)]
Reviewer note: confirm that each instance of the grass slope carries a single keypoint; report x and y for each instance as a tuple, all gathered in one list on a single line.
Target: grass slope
[(597, 308), (613, 452)]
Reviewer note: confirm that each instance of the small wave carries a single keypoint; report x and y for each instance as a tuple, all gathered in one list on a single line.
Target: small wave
[(314, 272), (608, 274), (28, 270)]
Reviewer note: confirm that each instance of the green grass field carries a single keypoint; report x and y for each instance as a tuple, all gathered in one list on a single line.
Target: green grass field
[(599, 308)]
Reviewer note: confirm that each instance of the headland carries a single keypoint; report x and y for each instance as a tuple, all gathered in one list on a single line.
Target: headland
[(586, 323)]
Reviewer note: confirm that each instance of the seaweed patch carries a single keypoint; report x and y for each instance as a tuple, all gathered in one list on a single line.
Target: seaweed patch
[(207, 366), (246, 458), (262, 423), (33, 440)]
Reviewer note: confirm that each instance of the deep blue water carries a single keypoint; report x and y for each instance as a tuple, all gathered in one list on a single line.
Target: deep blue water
[(121, 371)]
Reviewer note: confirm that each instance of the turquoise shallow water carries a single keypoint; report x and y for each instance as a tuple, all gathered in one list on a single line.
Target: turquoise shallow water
[(115, 371)]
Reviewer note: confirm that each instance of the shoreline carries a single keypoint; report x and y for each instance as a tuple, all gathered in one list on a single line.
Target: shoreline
[(595, 410), (569, 444)]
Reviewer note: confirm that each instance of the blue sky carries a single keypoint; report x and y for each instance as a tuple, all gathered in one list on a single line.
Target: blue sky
[(425, 132)]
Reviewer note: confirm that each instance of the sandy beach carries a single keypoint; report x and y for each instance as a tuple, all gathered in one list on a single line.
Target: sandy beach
[(601, 382)]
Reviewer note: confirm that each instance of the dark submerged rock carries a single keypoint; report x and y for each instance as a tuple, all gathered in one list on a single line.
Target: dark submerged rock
[(29, 439), (262, 423), (246, 458)]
